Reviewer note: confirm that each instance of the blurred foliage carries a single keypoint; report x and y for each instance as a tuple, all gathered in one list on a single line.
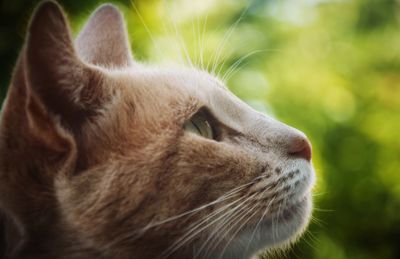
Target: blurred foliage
[(330, 68)]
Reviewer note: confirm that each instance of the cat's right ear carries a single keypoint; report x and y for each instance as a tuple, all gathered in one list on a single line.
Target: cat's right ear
[(104, 39)]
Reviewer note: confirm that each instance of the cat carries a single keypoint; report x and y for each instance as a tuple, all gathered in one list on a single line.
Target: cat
[(104, 157)]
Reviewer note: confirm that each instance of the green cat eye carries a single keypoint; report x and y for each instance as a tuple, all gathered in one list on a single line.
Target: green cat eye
[(199, 125)]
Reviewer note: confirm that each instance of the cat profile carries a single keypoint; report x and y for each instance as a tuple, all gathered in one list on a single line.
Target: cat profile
[(104, 157)]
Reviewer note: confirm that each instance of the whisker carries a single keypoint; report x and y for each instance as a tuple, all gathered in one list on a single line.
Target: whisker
[(314, 194), (281, 205), (309, 243), (323, 210), (190, 235), (256, 210), (203, 36), (194, 231), (221, 199), (178, 48), (314, 239), (221, 66), (228, 195), (196, 59), (261, 218), (138, 233), (220, 227), (228, 74), (146, 28), (178, 35), (227, 35), (318, 222)]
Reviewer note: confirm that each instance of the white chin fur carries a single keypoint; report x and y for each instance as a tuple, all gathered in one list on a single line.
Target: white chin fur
[(271, 233)]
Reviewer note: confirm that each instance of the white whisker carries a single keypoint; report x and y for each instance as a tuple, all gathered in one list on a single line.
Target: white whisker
[(240, 227), (261, 219), (230, 71), (230, 194), (194, 231), (178, 35), (190, 235), (227, 35), (221, 199), (146, 28), (202, 43), (194, 33), (220, 227)]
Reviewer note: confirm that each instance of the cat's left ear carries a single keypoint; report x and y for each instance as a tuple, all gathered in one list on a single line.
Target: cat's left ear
[(60, 87), (104, 39)]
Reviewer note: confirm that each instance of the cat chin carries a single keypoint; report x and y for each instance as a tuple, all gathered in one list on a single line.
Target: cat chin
[(275, 232), (306, 175)]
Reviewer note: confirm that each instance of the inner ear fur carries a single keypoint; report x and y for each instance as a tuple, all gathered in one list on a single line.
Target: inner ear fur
[(104, 39)]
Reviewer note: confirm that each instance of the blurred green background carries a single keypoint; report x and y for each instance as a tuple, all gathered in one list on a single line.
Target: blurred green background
[(328, 67)]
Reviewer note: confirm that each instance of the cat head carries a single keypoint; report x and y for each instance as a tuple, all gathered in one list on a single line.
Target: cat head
[(125, 159)]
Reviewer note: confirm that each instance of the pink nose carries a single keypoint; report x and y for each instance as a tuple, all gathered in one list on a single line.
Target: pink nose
[(300, 147)]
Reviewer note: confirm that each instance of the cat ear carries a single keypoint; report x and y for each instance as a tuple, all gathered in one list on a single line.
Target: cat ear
[(57, 81), (104, 39)]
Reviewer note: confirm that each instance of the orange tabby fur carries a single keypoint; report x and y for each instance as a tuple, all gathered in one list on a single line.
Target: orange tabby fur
[(93, 155)]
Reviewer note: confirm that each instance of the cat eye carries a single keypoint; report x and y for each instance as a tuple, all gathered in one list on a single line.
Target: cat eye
[(199, 125)]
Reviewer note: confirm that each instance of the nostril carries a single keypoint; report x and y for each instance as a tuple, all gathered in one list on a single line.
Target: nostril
[(300, 147)]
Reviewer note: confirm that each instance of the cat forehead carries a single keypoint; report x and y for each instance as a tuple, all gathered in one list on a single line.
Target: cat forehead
[(208, 91)]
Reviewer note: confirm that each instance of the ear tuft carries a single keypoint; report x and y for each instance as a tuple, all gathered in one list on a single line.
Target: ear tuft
[(104, 39)]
